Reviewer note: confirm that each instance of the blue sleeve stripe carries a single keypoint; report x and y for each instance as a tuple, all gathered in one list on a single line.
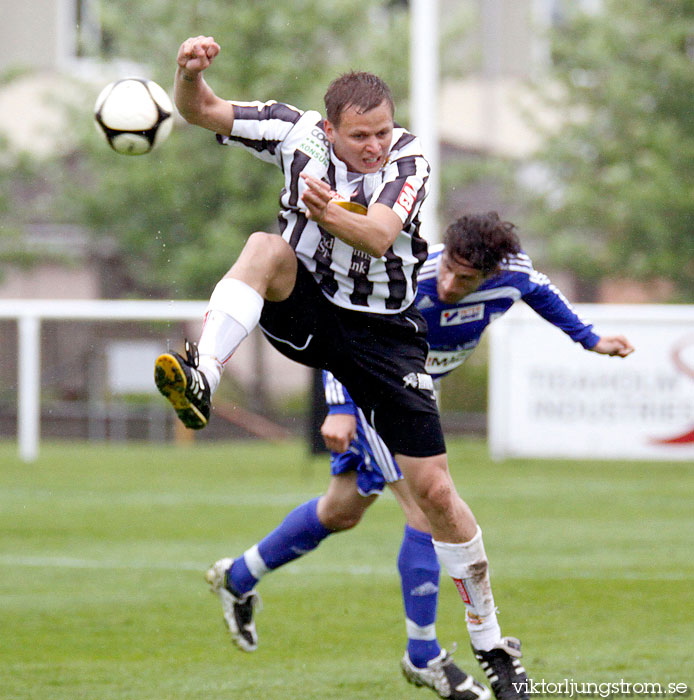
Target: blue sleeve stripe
[(382, 455), (334, 393)]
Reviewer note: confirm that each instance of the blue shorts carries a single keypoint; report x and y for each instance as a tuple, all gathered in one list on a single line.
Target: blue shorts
[(369, 457)]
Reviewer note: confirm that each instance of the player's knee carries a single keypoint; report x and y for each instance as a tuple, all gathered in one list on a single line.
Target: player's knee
[(268, 247), (268, 264), (339, 520), (436, 495)]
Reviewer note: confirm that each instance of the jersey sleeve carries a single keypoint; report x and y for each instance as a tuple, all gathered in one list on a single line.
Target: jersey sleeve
[(337, 397), (406, 178), (549, 302), (261, 127)]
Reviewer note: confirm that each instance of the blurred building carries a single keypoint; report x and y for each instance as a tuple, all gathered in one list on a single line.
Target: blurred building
[(51, 48), (39, 34)]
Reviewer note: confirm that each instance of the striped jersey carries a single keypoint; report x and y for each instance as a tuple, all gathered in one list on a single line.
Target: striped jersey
[(296, 142), (454, 330)]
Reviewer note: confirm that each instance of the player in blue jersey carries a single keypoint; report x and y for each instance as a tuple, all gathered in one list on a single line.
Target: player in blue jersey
[(475, 276)]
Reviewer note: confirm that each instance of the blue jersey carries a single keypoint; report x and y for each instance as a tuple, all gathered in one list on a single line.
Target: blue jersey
[(454, 330)]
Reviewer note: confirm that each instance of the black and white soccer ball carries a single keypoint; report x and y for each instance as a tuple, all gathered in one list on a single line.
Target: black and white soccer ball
[(134, 115)]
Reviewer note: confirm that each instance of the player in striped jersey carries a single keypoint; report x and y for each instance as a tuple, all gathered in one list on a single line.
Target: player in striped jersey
[(334, 291), (475, 276)]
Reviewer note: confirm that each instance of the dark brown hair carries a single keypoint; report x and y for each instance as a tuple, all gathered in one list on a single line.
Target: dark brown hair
[(482, 240), (364, 91)]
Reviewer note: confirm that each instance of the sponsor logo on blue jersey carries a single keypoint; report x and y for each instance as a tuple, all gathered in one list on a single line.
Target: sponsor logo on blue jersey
[(445, 360), (463, 314)]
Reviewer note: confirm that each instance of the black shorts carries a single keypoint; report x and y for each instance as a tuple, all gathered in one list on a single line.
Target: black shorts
[(378, 357)]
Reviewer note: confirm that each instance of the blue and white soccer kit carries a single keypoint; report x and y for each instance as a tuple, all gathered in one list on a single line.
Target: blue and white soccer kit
[(454, 332), (367, 453)]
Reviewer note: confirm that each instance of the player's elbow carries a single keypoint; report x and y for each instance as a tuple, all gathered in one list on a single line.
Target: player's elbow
[(207, 112), (191, 116), (384, 227), (378, 244), (192, 112), (375, 251)]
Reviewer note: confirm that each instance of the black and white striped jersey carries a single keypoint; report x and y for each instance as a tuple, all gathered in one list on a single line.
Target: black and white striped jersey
[(296, 142)]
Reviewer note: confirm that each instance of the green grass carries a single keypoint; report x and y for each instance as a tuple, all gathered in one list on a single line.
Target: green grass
[(104, 549)]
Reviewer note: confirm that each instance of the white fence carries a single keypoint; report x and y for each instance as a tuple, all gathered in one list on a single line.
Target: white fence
[(548, 396), (29, 315), (551, 398)]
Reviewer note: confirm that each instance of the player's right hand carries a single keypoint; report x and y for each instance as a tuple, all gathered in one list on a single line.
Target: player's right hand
[(338, 431), (316, 196), (196, 53)]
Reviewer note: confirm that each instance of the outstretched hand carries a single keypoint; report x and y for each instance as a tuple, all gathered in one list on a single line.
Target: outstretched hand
[(196, 54), (614, 345)]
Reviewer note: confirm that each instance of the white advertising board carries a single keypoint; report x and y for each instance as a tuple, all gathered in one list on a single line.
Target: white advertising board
[(129, 366), (548, 397)]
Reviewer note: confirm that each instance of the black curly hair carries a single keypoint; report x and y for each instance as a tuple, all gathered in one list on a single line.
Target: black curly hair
[(482, 240)]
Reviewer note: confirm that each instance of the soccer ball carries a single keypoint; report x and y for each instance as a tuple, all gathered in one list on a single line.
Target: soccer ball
[(134, 115)]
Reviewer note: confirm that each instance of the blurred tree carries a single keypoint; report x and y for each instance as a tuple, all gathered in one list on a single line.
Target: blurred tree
[(179, 216), (23, 197), (619, 174)]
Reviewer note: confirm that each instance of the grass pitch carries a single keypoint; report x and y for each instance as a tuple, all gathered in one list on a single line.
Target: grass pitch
[(104, 550)]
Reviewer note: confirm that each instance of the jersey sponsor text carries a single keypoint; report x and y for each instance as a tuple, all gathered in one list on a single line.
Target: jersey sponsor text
[(463, 314), (407, 197)]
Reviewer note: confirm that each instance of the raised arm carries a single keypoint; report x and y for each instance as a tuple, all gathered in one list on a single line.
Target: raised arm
[(195, 100)]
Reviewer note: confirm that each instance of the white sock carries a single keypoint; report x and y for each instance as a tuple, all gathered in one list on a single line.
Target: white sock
[(232, 313), (466, 563)]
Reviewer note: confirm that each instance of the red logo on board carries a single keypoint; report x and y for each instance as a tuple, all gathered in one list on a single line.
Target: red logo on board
[(686, 438)]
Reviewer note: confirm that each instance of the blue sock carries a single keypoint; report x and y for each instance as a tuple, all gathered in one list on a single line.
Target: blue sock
[(419, 578), (300, 532)]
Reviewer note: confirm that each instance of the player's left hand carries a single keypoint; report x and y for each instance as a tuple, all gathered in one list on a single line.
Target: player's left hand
[(614, 345)]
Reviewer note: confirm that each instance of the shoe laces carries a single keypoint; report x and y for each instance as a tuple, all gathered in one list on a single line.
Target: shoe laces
[(503, 667), (192, 354), (437, 667), (198, 381), (449, 654)]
